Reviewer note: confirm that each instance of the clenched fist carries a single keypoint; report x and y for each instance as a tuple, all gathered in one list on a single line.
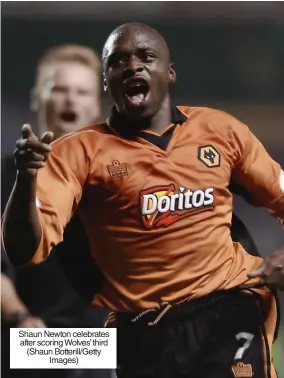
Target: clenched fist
[(271, 272), (32, 152)]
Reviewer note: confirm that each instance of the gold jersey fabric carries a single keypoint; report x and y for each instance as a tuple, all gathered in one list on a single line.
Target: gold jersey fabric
[(158, 221)]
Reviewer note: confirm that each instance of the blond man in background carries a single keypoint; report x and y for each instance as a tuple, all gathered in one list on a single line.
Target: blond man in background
[(66, 96)]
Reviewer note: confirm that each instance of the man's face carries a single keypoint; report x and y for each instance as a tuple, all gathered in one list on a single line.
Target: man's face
[(137, 72), (69, 97)]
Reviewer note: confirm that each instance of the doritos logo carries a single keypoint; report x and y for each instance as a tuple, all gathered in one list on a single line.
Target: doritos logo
[(163, 205)]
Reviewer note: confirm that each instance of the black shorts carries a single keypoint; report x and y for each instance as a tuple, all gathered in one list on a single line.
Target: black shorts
[(223, 335)]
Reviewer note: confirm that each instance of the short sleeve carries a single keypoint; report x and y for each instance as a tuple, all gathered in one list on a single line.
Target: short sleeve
[(257, 172), (59, 191)]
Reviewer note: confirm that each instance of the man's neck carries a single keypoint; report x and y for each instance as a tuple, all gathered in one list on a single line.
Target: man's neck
[(157, 123), (161, 119)]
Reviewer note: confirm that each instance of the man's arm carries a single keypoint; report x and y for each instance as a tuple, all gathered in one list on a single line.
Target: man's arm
[(257, 172), (263, 178), (21, 225), (43, 200)]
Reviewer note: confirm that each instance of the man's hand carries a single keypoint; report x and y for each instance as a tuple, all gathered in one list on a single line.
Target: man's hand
[(21, 227), (32, 152), (271, 272), (31, 322)]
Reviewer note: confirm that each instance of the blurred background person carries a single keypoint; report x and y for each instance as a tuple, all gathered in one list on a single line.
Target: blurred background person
[(66, 96)]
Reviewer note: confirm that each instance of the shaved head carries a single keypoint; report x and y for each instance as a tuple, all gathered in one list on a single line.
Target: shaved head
[(137, 70), (137, 27)]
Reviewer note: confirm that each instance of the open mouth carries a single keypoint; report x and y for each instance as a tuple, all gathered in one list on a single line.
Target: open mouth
[(68, 116), (136, 91)]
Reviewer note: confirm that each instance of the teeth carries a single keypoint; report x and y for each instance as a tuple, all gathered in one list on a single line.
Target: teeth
[(138, 83)]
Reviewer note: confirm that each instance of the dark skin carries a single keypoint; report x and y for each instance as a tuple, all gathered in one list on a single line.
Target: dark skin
[(30, 154), (135, 52), (141, 56)]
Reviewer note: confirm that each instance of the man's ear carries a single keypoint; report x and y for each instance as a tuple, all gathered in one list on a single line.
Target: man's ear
[(172, 73), (105, 83)]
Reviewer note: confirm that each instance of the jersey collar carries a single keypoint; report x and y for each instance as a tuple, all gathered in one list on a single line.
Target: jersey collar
[(119, 124)]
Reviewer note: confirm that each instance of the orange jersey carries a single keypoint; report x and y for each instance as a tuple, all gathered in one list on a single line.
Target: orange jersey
[(158, 221)]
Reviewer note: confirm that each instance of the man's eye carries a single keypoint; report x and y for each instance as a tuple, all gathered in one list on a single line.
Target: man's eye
[(83, 92), (121, 60), (59, 89), (147, 57), (116, 59)]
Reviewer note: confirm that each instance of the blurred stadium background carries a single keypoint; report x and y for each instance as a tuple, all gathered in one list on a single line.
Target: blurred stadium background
[(228, 55)]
